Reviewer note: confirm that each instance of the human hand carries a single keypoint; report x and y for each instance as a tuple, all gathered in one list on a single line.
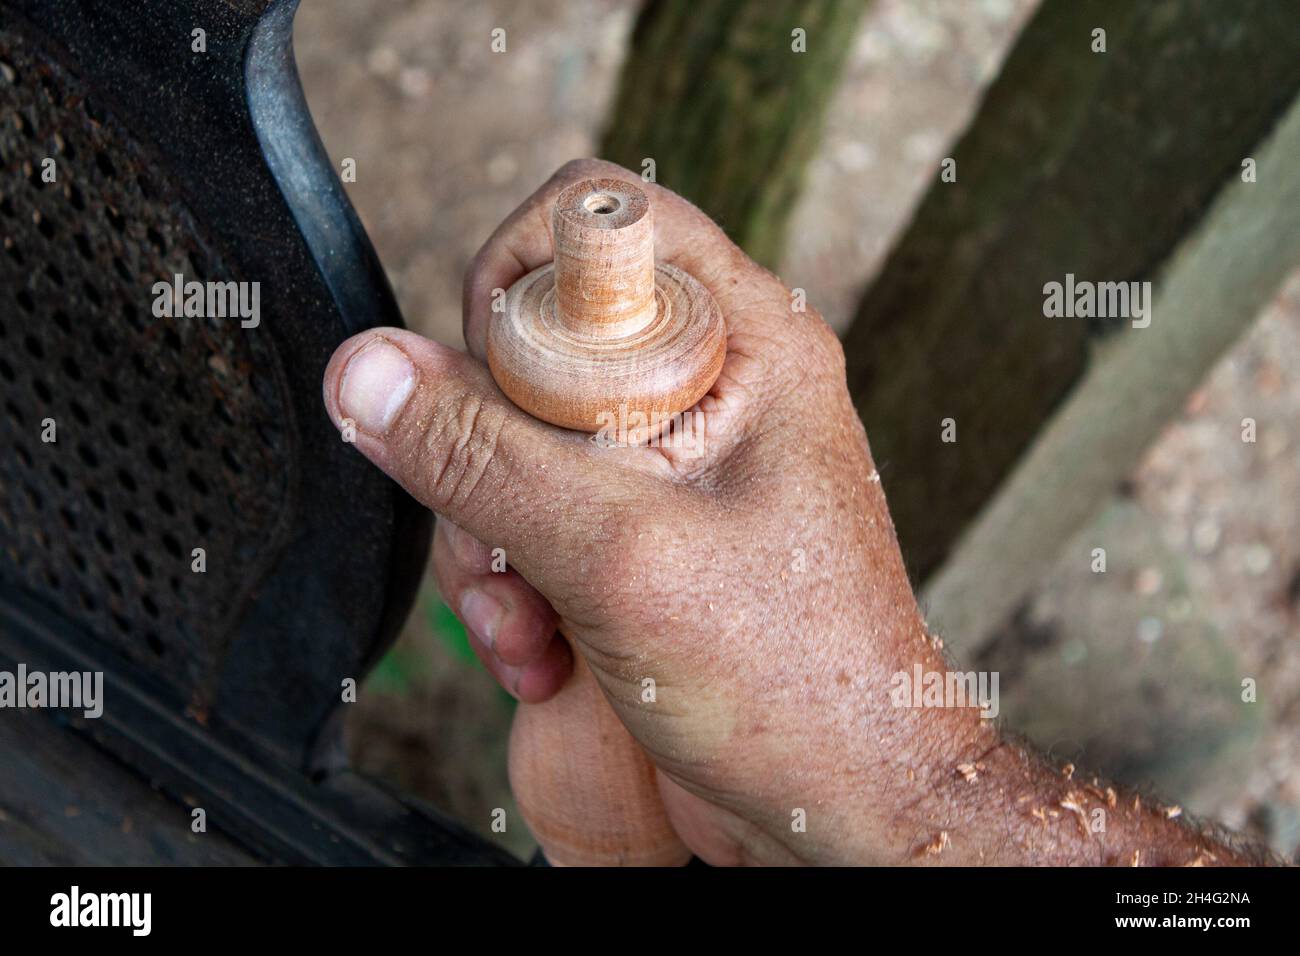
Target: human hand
[(756, 581)]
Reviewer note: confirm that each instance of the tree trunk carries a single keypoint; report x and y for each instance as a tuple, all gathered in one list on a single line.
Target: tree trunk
[(716, 95), (1208, 293), (1081, 162)]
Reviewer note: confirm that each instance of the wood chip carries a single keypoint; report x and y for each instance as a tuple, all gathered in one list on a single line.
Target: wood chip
[(937, 845), (1072, 803)]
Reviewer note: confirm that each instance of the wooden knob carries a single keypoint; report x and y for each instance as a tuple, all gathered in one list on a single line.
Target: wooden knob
[(604, 332), (601, 335)]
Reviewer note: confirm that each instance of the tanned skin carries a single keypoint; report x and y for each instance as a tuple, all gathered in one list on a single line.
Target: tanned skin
[(772, 683)]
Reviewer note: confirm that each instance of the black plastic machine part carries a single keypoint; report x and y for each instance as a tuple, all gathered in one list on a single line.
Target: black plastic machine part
[(179, 153)]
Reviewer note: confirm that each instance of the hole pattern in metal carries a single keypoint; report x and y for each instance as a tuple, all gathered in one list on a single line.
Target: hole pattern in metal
[(171, 432)]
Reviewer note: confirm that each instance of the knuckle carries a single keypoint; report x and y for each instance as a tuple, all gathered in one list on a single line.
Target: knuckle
[(826, 345), (459, 452), (817, 357)]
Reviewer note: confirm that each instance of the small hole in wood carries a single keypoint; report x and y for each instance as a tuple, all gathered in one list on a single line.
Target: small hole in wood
[(602, 204)]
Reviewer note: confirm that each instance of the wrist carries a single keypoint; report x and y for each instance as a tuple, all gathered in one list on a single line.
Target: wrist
[(910, 763)]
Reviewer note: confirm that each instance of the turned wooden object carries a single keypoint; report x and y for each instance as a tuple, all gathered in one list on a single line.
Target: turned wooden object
[(600, 336), (604, 330)]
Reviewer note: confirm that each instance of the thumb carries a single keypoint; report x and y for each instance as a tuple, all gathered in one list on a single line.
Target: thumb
[(434, 420)]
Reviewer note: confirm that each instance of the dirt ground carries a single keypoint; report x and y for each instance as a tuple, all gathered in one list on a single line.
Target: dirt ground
[(448, 138)]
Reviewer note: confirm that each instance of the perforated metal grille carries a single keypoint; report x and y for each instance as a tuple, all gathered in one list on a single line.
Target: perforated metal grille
[(172, 433)]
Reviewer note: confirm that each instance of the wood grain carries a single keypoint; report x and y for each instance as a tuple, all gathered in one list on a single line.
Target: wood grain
[(584, 787), (603, 333)]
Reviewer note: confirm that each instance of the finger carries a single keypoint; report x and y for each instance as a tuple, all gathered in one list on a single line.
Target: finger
[(433, 419), (684, 236), (542, 679), (504, 611), (462, 549), (765, 331), (533, 683)]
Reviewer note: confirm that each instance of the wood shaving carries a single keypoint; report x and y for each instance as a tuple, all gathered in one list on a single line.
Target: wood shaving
[(1071, 803), (937, 845)]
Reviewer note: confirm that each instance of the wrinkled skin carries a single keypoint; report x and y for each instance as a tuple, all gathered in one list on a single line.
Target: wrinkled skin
[(760, 586)]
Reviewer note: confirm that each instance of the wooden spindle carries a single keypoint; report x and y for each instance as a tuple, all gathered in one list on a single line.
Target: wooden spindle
[(604, 329), (604, 334)]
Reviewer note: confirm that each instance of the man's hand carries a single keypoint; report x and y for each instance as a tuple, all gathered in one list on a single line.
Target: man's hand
[(758, 584)]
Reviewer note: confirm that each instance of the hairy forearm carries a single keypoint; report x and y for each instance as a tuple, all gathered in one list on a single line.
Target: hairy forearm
[(994, 800), (942, 783)]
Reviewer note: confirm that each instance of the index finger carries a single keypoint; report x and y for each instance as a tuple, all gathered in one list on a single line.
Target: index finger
[(684, 236)]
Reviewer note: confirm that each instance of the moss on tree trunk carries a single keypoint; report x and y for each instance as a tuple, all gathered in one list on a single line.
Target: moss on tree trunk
[(716, 95)]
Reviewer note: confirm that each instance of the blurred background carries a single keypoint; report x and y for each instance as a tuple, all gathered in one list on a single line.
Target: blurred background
[(820, 167)]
